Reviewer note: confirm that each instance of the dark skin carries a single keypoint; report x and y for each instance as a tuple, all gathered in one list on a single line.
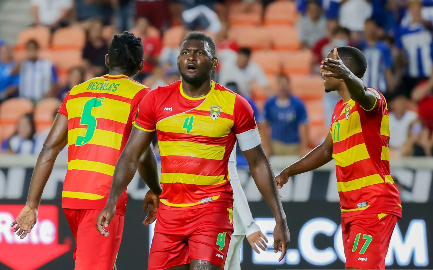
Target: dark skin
[(55, 142), (196, 64), (337, 77)]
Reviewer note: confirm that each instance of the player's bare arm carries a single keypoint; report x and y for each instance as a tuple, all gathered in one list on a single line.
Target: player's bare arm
[(55, 142), (126, 167), (335, 68), (316, 158), (264, 179)]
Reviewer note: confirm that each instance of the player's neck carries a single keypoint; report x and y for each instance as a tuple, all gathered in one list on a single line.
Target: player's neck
[(196, 91), (117, 71), (344, 93)]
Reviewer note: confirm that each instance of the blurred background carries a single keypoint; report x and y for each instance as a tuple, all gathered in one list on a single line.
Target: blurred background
[(270, 53)]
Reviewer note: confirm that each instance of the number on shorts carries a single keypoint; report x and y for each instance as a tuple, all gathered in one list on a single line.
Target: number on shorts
[(89, 120), (221, 240), (367, 238)]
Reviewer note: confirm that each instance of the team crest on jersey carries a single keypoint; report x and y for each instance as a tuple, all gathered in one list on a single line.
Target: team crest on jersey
[(347, 111), (215, 112)]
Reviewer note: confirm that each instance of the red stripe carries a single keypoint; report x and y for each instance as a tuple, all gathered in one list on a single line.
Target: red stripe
[(168, 136), (102, 95), (207, 113), (193, 165), (114, 76), (93, 152), (87, 181), (103, 124), (344, 145), (350, 199), (356, 170)]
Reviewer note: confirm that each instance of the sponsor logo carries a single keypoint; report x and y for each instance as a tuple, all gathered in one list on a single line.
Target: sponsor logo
[(362, 259), (220, 256), (362, 204), (170, 109), (215, 112), (39, 247), (347, 111)]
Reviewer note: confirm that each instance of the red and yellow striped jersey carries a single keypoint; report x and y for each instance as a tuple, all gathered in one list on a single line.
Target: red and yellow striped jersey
[(100, 113), (360, 149), (195, 139)]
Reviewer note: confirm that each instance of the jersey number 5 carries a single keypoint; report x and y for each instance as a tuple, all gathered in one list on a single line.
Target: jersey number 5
[(89, 120)]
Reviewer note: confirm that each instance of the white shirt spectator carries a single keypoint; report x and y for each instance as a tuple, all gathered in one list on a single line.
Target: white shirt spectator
[(230, 72), (311, 32), (399, 128), (353, 14), (51, 10), (36, 78)]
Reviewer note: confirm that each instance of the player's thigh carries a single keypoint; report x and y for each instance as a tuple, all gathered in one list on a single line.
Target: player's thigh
[(95, 251), (168, 252), (203, 265), (233, 261)]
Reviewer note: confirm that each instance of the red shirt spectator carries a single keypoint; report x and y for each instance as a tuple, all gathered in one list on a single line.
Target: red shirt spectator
[(152, 47)]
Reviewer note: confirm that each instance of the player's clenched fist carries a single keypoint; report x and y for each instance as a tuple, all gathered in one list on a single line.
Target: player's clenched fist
[(104, 219), (282, 178), (281, 238)]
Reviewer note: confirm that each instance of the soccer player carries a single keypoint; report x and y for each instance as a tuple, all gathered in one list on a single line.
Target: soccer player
[(197, 122), (358, 141), (95, 120)]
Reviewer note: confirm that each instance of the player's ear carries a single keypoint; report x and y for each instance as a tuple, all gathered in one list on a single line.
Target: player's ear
[(214, 63), (107, 61), (140, 67)]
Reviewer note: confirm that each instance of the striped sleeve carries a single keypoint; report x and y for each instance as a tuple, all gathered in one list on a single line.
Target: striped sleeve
[(146, 119), (62, 108)]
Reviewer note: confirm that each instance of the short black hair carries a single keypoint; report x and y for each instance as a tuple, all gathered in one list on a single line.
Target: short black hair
[(245, 50), (198, 35), (341, 30), (354, 60), (33, 42), (126, 51)]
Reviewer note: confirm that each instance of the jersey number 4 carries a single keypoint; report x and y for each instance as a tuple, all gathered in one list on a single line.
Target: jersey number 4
[(89, 120), (367, 238)]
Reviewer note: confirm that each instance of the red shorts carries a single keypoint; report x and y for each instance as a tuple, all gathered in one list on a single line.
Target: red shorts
[(181, 234), (92, 250), (366, 240)]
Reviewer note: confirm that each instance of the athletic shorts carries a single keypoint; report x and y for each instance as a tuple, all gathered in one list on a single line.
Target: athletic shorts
[(92, 250), (202, 233), (366, 240)]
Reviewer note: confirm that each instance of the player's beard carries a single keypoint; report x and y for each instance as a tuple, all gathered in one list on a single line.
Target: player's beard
[(194, 80)]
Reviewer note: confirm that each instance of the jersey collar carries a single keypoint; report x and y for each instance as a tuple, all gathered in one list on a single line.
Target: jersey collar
[(198, 98), (108, 76)]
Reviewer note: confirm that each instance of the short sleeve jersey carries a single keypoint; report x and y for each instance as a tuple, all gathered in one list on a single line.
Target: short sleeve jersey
[(360, 149), (100, 112), (195, 139)]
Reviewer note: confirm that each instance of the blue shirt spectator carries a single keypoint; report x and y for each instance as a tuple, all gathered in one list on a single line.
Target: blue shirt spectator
[(330, 7), (379, 59), (8, 81), (287, 119), (23, 141)]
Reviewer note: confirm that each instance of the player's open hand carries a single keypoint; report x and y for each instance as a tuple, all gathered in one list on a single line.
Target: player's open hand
[(104, 219), (25, 221), (281, 238), (258, 239), (334, 67), (153, 200)]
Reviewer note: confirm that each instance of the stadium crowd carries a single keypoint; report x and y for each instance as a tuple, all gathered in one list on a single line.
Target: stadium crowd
[(269, 52)]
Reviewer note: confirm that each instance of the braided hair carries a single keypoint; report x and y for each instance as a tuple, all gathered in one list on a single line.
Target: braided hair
[(125, 52)]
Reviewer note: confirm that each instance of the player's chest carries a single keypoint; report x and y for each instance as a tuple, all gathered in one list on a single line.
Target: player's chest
[(345, 124)]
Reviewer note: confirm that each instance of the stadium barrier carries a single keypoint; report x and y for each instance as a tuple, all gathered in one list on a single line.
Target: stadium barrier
[(310, 201)]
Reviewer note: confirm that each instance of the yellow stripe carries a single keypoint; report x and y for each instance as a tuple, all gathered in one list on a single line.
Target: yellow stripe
[(354, 154), (111, 109), (191, 149), (380, 216), (202, 125), (224, 99), (198, 98), (384, 126), (93, 166), (356, 209), (230, 214), (125, 87), (384, 155), (137, 126), (388, 179), (164, 201), (360, 183), (399, 205), (81, 195), (348, 127), (100, 137), (192, 179)]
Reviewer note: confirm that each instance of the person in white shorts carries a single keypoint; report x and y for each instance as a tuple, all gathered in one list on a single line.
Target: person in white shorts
[(243, 222)]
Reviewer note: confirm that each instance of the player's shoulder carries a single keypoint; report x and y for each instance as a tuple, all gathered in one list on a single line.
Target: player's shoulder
[(166, 90), (79, 88), (222, 89), (376, 93)]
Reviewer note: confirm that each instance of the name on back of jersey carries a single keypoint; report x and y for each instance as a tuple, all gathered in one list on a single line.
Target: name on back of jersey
[(103, 86)]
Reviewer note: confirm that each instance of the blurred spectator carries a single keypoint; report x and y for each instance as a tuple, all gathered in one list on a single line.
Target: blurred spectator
[(339, 38), (414, 43), (405, 192), (75, 77), (379, 12), (95, 50), (287, 120), (353, 14), (22, 142), (157, 11), (102, 9), (419, 142), (51, 13), (239, 69), (170, 76), (379, 59), (200, 15), (8, 81), (38, 77), (330, 7), (152, 47), (331, 25), (222, 39), (234, 87), (312, 27), (400, 118), (124, 14), (424, 97), (40, 139)]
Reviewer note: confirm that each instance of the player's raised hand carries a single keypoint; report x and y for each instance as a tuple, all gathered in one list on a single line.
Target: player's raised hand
[(153, 200), (25, 221), (104, 219), (258, 239), (281, 238), (334, 67)]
